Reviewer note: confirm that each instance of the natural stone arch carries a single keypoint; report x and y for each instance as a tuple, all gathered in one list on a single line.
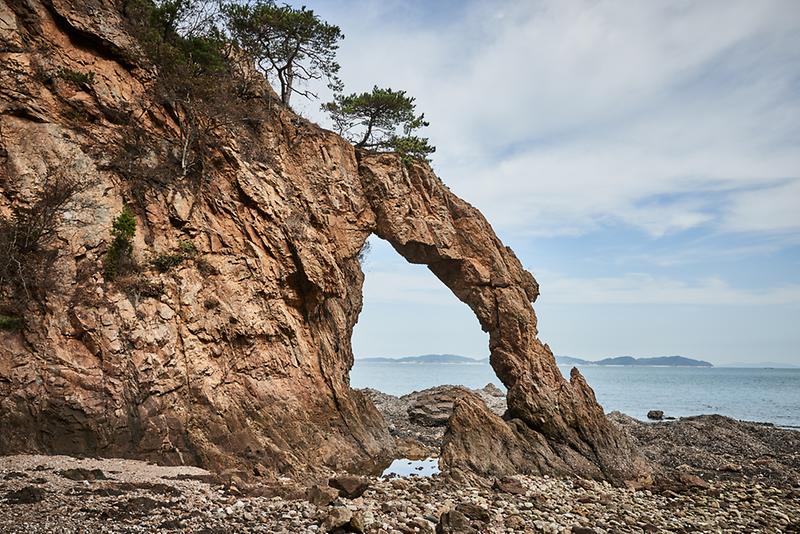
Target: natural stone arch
[(242, 361), (563, 428)]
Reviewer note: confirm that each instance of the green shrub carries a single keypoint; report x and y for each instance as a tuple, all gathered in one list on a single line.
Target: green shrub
[(119, 258), (165, 262), (187, 248), (10, 323), (76, 77)]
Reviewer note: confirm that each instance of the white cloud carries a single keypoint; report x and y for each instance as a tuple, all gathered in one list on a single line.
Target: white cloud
[(423, 289), (771, 209), (639, 288), (562, 116), (570, 117)]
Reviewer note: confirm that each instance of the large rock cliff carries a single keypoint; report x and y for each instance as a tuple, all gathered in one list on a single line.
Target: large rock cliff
[(238, 354)]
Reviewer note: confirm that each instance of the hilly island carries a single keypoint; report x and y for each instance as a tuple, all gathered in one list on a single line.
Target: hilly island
[(667, 361), (181, 272)]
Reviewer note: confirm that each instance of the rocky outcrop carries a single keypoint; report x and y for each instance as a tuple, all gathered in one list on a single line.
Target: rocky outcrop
[(410, 417), (479, 441), (457, 244), (718, 448), (237, 355)]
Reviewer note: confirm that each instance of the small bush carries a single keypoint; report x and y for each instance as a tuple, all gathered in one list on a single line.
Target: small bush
[(137, 286), (29, 243), (76, 77), (76, 114), (166, 262), (205, 268), (10, 323), (364, 252), (187, 248), (119, 258)]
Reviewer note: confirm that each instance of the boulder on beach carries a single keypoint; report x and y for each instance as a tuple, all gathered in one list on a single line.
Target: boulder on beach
[(433, 407), (655, 415), (350, 487)]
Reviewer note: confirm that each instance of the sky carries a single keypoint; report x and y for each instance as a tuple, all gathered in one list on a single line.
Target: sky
[(641, 158)]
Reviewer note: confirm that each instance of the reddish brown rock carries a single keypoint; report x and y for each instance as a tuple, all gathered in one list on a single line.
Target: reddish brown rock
[(454, 522), (238, 357), (349, 487), (509, 485), (320, 495), (433, 407), (479, 441)]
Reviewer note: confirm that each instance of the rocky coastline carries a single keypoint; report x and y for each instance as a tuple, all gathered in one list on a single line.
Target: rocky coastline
[(196, 271), (725, 476)]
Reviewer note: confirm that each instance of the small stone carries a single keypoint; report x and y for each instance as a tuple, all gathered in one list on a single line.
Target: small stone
[(473, 511), (350, 487), (454, 522), (732, 468), (509, 485), (26, 495), (358, 523), (692, 481), (79, 473), (321, 495), (337, 517)]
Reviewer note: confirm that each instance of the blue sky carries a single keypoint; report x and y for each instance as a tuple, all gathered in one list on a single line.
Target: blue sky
[(642, 159)]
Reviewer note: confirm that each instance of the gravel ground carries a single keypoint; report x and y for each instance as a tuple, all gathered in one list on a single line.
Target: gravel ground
[(727, 476), (139, 497)]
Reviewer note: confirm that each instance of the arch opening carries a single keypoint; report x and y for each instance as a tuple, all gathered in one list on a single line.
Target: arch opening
[(414, 345)]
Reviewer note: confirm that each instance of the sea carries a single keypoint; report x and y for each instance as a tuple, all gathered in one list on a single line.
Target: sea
[(763, 395)]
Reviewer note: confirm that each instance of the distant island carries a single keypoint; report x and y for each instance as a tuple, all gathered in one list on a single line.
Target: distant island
[(661, 361), (426, 358), (664, 361)]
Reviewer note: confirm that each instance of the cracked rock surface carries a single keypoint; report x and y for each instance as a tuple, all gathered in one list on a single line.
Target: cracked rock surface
[(237, 357)]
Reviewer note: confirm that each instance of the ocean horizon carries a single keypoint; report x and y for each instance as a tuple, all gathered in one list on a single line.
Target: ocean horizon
[(765, 395)]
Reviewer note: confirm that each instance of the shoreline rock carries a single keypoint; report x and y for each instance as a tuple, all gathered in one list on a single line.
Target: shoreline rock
[(714, 473), (715, 446), (134, 498)]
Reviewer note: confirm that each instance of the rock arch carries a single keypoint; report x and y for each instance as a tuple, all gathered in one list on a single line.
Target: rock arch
[(241, 360), (558, 424)]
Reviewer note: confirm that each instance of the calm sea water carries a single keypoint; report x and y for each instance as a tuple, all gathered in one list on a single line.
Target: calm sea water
[(767, 395)]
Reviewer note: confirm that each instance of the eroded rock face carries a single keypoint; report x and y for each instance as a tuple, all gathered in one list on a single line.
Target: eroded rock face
[(457, 244), (238, 356)]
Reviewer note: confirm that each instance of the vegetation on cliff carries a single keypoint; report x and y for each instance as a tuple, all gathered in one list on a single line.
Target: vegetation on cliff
[(291, 44), (27, 247), (371, 120), (212, 56), (119, 258)]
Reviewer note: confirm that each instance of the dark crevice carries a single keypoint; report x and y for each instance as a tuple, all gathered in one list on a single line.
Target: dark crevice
[(91, 41)]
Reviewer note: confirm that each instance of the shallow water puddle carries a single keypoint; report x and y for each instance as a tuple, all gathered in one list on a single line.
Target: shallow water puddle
[(403, 467)]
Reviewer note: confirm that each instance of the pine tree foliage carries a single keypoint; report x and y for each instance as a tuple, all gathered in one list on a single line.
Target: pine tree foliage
[(383, 120)]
